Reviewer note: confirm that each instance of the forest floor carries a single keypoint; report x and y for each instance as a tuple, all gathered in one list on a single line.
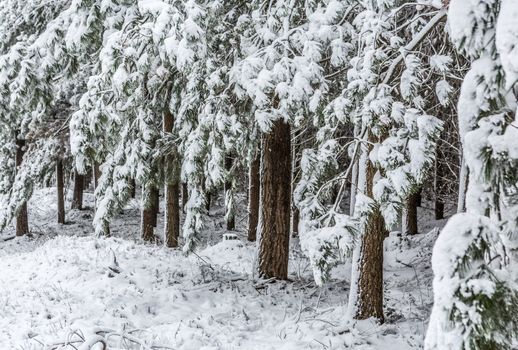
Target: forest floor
[(63, 284)]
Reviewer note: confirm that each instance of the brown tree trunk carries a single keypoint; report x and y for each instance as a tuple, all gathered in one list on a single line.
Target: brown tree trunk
[(96, 174), (22, 221), (437, 184), (411, 214), (77, 198), (155, 204), (419, 197), (133, 188), (185, 195), (254, 186), (295, 219), (60, 191), (230, 217), (275, 202), (367, 297), (148, 215), (171, 191)]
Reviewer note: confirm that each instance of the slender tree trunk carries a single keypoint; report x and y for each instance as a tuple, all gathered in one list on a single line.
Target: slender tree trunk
[(411, 214), (133, 186), (275, 209), (254, 185), (366, 295), (96, 174), (60, 191), (77, 198), (22, 221), (148, 214), (230, 217), (171, 191), (463, 185), (208, 198), (354, 178), (419, 197), (185, 195), (295, 213), (437, 184), (155, 204)]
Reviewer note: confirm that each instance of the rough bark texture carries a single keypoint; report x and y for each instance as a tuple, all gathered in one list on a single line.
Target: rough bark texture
[(411, 214), (231, 218), (171, 191), (60, 192), (275, 202), (254, 186), (133, 186), (369, 301), (148, 215), (22, 221), (77, 198)]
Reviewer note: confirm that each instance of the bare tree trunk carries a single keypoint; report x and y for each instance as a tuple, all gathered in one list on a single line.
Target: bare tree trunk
[(366, 295), (133, 190), (96, 174), (230, 217), (148, 214), (463, 185), (171, 191), (275, 209), (22, 221), (411, 214), (185, 195), (437, 184), (155, 204), (295, 213), (60, 191), (254, 185), (77, 198)]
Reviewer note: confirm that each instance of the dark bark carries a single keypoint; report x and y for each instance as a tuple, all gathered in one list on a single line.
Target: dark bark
[(133, 188), (411, 214), (155, 204), (148, 215), (96, 174), (254, 186), (22, 221), (295, 219), (60, 191), (419, 197), (171, 191), (275, 202), (439, 204), (77, 198), (230, 217)]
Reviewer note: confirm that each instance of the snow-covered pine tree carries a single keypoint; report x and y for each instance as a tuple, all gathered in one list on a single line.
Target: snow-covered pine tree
[(393, 146), (474, 259)]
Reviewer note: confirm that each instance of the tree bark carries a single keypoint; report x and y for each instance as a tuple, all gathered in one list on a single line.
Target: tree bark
[(171, 191), (366, 295), (96, 174), (77, 198), (60, 191), (254, 186), (185, 195), (133, 186), (148, 214), (411, 214), (437, 184), (22, 221), (230, 217), (155, 204), (275, 205)]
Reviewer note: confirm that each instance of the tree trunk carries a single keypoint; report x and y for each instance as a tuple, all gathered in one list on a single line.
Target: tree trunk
[(419, 197), (133, 188), (22, 221), (366, 295), (463, 185), (77, 198), (254, 186), (96, 174), (148, 214), (60, 192), (229, 215), (208, 198), (171, 191), (275, 205), (437, 184), (185, 195), (411, 214), (155, 204)]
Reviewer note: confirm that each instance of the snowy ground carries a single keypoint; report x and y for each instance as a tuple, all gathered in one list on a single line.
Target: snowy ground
[(63, 284)]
